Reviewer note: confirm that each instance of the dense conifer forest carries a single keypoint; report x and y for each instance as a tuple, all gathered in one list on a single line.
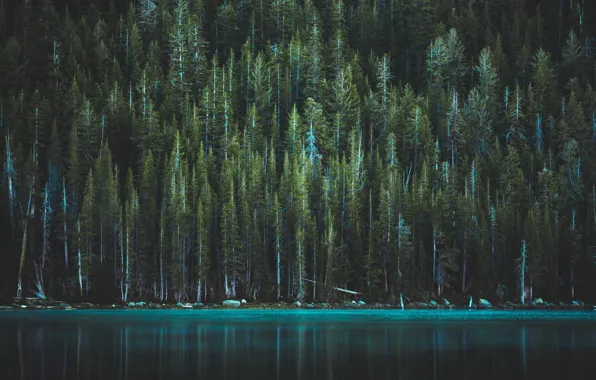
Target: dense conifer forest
[(197, 150)]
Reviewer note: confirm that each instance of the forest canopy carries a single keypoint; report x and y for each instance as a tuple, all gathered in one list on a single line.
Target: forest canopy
[(193, 150)]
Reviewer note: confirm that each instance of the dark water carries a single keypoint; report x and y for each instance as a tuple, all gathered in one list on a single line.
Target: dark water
[(222, 344)]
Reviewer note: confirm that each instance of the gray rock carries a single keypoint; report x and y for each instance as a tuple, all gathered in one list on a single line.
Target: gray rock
[(353, 303), (484, 304), (361, 303), (233, 303), (433, 303), (243, 301), (538, 301), (199, 304), (446, 302), (575, 303), (310, 306), (297, 303), (23, 306)]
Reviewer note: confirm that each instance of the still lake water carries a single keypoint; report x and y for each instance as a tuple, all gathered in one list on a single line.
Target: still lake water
[(291, 345)]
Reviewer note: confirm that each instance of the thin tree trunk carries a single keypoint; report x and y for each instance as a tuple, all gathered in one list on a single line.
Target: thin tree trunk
[(24, 246), (79, 261), (22, 260)]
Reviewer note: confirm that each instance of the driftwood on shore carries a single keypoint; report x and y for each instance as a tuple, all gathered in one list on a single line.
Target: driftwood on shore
[(334, 288)]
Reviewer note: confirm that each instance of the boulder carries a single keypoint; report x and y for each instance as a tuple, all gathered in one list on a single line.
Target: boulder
[(433, 303), (297, 303), (199, 304), (484, 304), (310, 306), (353, 303), (446, 302), (243, 301), (232, 303), (538, 301), (361, 303)]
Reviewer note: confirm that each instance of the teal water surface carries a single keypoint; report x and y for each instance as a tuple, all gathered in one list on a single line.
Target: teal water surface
[(288, 345)]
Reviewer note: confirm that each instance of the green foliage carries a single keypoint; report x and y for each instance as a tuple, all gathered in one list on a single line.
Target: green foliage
[(193, 151)]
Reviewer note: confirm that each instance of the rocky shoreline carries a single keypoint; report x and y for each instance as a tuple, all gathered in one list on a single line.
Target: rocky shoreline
[(481, 304)]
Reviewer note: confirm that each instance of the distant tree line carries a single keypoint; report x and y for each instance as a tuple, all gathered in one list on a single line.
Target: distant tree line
[(192, 150)]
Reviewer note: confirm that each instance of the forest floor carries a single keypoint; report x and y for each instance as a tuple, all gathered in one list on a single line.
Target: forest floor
[(537, 304)]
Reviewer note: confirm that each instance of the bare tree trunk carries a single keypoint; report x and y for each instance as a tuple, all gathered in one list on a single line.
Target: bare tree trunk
[(23, 247), (22, 261)]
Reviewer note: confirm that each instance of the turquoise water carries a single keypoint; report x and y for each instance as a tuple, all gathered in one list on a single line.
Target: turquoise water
[(287, 345)]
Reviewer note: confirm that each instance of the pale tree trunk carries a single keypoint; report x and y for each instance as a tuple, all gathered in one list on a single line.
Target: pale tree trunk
[(314, 272), (435, 257), (24, 245), (278, 267), (79, 260)]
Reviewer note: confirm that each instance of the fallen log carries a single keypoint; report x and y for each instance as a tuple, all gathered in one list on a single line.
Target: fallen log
[(338, 289)]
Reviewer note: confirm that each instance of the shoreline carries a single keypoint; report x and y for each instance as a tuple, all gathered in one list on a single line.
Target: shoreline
[(37, 304)]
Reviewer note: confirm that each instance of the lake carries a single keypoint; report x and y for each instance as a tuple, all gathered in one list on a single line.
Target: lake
[(302, 344)]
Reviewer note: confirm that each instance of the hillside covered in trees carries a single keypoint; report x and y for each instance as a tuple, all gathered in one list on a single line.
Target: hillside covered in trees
[(192, 150)]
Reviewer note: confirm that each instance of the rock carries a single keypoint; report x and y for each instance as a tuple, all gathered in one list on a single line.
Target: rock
[(433, 303), (185, 305), (446, 302), (361, 303), (243, 301), (310, 306), (538, 301), (297, 303), (575, 303), (199, 304), (353, 303), (232, 303), (23, 306), (484, 304)]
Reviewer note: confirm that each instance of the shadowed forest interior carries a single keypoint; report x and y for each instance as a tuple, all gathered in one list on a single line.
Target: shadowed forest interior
[(196, 150)]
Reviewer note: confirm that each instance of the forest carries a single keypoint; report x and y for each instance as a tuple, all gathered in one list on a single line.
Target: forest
[(198, 150)]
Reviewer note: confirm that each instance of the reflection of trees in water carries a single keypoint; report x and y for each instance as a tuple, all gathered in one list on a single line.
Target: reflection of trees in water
[(302, 349)]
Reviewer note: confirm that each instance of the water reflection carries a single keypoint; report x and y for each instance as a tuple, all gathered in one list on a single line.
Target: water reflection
[(171, 348)]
